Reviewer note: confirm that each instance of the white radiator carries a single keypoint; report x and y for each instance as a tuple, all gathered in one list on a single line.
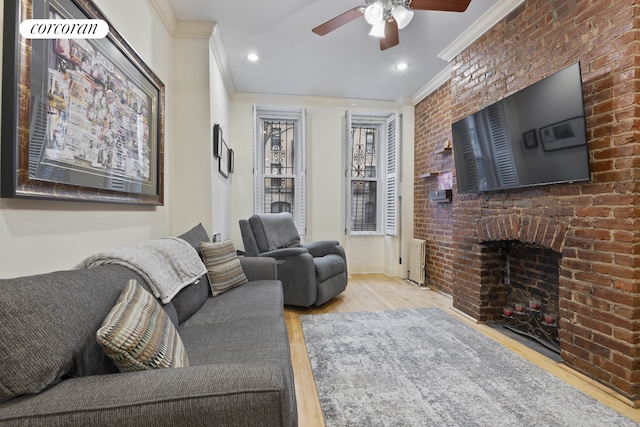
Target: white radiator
[(416, 261)]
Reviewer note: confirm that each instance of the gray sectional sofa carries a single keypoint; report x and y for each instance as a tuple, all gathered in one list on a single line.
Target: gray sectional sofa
[(54, 373)]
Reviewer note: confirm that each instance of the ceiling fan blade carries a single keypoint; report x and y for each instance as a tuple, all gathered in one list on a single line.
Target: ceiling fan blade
[(339, 21), (444, 5), (391, 36)]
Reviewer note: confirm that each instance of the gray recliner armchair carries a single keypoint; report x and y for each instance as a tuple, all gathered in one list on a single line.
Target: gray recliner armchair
[(311, 273)]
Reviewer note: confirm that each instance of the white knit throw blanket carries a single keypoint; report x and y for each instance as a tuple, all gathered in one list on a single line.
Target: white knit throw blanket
[(167, 265)]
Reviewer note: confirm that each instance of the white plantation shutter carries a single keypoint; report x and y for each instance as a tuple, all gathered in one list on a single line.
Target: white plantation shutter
[(347, 168), (257, 188), (302, 167), (391, 184)]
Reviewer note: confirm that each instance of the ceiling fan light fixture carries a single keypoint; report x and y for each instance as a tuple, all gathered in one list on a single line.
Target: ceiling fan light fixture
[(377, 29), (402, 15), (374, 13)]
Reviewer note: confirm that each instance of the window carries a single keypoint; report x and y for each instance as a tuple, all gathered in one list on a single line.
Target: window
[(279, 163), (371, 175)]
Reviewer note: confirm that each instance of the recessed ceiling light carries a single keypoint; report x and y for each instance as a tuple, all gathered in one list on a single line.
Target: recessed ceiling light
[(402, 66), (252, 57)]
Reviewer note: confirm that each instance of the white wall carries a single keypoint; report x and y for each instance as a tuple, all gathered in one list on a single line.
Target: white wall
[(191, 185), (221, 187), (325, 192), (201, 193)]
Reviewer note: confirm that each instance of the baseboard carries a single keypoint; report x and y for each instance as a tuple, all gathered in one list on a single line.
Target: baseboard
[(611, 392)]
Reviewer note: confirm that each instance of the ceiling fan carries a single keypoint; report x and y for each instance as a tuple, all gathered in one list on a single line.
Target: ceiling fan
[(386, 17)]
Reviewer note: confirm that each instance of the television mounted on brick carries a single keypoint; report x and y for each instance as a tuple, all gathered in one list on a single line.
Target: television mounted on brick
[(536, 136)]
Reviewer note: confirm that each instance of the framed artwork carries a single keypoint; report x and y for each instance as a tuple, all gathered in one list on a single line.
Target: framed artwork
[(565, 134), (529, 138), (217, 141), (83, 119), (231, 161), (223, 161)]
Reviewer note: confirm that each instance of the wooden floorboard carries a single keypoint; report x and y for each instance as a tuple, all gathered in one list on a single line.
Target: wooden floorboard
[(374, 292)]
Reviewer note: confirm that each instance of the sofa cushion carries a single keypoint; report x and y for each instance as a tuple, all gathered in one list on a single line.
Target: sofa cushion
[(223, 265), (49, 324), (243, 325), (138, 335), (328, 266), (190, 299), (274, 231), (253, 299)]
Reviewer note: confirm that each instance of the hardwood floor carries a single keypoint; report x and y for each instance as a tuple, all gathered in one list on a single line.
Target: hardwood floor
[(373, 292)]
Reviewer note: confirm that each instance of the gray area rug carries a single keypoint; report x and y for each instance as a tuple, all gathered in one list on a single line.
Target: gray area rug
[(423, 367)]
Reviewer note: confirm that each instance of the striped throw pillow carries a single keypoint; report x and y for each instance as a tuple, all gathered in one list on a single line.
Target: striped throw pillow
[(223, 266), (138, 335)]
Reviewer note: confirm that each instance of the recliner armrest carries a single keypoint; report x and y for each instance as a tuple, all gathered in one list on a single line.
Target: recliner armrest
[(284, 253), (326, 247), (322, 248), (297, 272)]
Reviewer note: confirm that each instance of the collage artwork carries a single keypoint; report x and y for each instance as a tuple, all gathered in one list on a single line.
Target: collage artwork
[(97, 118)]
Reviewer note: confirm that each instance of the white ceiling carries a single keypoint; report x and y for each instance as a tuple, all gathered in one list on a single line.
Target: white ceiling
[(346, 63)]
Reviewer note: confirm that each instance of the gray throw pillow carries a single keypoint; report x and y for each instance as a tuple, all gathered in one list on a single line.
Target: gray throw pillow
[(138, 335), (223, 266), (192, 297)]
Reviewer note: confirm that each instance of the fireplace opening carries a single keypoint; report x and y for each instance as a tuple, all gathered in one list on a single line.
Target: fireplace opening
[(527, 293)]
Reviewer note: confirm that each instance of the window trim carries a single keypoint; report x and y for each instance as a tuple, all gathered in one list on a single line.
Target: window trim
[(284, 114), (383, 226)]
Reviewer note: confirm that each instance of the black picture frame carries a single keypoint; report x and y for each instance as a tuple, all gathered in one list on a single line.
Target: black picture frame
[(223, 160), (217, 141), (530, 138), (83, 119), (231, 160)]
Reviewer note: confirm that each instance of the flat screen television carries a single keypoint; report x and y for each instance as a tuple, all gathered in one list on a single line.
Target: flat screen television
[(536, 136)]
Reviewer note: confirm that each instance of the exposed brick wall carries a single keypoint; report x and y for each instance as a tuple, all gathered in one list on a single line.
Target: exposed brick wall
[(433, 221), (600, 267)]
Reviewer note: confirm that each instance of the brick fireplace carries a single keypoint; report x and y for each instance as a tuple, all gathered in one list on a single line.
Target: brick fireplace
[(588, 230), (518, 261)]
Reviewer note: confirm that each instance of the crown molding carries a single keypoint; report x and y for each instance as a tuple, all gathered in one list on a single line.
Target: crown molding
[(441, 78), (181, 29), (197, 30), (220, 55), (483, 24), (404, 102), (194, 29), (165, 12)]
